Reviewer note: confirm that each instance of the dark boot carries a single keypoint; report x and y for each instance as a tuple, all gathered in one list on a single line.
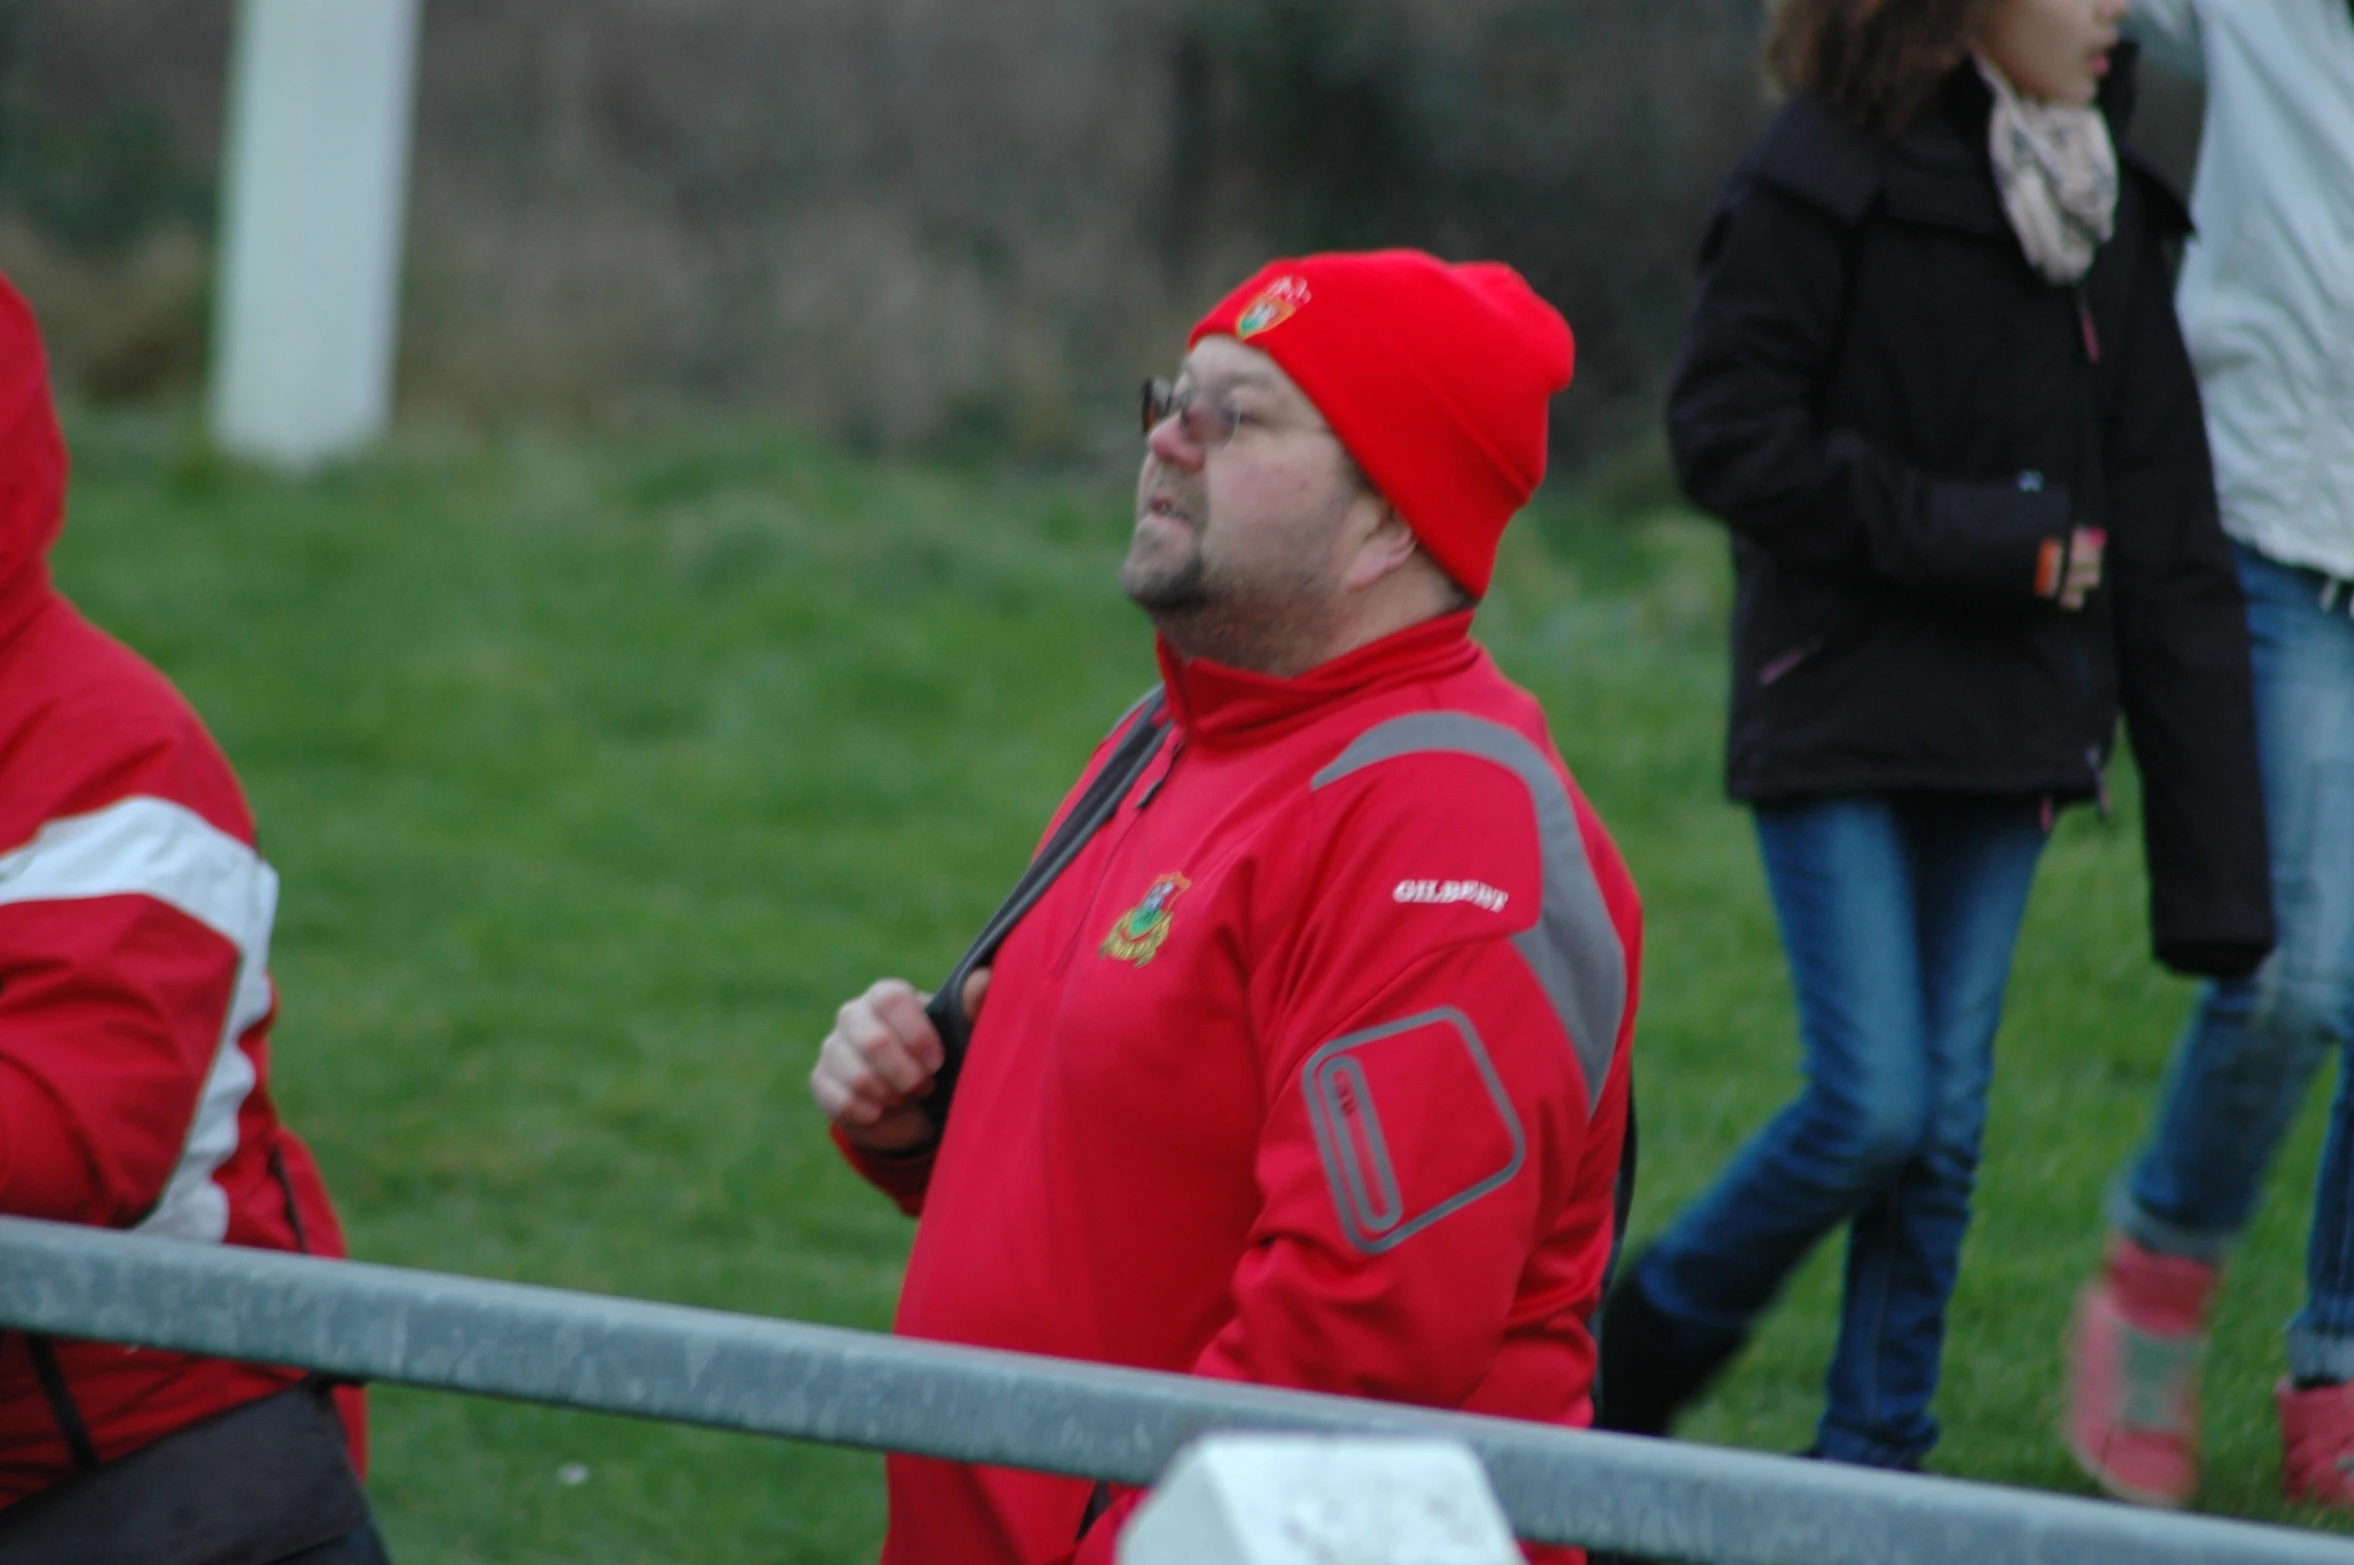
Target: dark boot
[(1652, 1367)]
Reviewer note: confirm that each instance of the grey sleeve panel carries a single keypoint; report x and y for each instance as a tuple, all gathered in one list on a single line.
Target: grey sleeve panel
[(1573, 949), (1372, 1206)]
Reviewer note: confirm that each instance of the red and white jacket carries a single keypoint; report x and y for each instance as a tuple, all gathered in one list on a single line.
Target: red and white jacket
[(135, 996), (1311, 1070)]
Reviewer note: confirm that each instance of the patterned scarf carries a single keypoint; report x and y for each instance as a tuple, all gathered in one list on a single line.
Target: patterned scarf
[(2057, 170)]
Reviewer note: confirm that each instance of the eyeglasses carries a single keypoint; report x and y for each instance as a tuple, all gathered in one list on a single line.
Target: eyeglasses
[(1207, 425)]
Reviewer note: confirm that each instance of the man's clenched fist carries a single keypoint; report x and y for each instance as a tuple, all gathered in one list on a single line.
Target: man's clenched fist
[(876, 1067)]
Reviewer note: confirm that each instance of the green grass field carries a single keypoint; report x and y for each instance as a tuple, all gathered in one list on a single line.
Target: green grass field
[(599, 770)]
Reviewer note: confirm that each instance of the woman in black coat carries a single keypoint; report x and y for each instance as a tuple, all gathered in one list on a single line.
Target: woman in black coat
[(1934, 385)]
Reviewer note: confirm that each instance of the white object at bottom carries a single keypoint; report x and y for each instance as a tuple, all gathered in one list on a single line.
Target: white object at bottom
[(1317, 1500)]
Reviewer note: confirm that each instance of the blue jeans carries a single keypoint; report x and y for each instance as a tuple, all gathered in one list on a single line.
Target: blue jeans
[(1898, 914), (2248, 1054)]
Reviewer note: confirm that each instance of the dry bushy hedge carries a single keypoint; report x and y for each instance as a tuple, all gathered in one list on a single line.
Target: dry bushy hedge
[(914, 222)]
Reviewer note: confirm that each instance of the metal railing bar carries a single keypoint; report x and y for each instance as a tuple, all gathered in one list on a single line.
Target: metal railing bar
[(838, 1387)]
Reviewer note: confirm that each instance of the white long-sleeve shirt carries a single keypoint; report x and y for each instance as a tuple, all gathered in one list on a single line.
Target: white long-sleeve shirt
[(2267, 290)]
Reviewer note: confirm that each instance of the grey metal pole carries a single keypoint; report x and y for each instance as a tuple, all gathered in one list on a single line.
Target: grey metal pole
[(670, 1362)]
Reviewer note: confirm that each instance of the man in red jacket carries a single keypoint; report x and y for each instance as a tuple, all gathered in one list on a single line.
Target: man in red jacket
[(1310, 1069), (135, 1006)]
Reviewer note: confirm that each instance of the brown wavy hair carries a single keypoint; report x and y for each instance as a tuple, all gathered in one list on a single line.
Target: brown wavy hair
[(1876, 61)]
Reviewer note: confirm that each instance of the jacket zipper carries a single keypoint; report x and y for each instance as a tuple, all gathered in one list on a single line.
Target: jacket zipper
[(1787, 661), (2088, 460)]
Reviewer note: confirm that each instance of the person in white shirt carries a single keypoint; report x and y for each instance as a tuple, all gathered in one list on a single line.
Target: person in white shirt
[(2267, 304)]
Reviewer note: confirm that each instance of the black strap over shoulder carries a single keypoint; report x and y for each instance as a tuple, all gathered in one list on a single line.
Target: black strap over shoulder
[(1111, 783), (1622, 1191)]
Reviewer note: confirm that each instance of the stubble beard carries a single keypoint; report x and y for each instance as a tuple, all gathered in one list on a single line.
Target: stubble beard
[(1182, 589), (1266, 627)]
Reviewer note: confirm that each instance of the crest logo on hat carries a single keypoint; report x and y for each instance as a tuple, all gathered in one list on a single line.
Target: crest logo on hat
[(1276, 303)]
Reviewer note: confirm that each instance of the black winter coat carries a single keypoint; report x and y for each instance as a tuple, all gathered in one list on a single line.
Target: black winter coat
[(1894, 412)]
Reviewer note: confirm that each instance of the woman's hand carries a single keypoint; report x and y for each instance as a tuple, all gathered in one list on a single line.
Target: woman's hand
[(2083, 572), (2069, 572)]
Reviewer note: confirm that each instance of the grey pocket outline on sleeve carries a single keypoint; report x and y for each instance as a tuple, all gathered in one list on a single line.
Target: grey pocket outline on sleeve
[(1366, 1194)]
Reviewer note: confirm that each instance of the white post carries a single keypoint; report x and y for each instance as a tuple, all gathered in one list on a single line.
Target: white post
[(315, 177), (1306, 1500)]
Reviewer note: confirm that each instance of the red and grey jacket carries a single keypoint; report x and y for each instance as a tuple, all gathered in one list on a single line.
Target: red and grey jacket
[(135, 996), (1310, 1070)]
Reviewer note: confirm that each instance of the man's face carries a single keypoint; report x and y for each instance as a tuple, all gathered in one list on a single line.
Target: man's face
[(1240, 541)]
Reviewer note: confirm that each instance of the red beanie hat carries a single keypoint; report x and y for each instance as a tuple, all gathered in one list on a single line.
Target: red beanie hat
[(1435, 377)]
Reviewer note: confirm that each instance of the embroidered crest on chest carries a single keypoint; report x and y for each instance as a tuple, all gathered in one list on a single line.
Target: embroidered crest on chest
[(1138, 935)]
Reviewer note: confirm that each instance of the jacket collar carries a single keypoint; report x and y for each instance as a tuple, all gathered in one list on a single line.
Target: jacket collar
[(1956, 117), (1220, 707), (1935, 171), (1938, 170)]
